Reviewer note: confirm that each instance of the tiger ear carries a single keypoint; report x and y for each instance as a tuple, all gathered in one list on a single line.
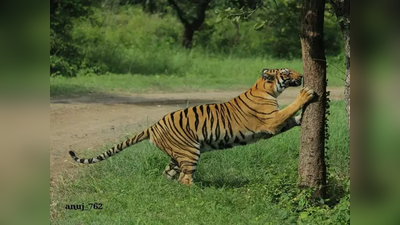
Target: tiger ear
[(285, 71), (266, 75)]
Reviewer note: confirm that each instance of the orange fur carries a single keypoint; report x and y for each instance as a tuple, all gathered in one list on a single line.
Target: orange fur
[(253, 115)]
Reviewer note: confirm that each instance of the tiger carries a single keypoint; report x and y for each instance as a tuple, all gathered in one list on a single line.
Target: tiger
[(253, 115)]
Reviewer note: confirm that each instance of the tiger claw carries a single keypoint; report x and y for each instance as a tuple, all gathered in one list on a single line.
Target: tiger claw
[(307, 94)]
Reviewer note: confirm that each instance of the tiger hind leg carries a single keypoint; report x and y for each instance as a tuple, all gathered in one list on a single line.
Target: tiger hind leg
[(172, 170), (187, 171)]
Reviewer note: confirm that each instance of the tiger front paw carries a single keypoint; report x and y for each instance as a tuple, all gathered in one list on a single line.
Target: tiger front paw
[(306, 95)]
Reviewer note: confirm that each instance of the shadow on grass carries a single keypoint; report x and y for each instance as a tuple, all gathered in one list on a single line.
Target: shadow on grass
[(336, 191), (69, 90), (70, 94), (147, 68), (224, 183)]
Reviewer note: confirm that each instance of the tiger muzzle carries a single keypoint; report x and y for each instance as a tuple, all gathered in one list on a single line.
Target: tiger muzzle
[(295, 82)]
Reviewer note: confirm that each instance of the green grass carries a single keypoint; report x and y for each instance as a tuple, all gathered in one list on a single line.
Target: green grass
[(254, 184), (185, 72)]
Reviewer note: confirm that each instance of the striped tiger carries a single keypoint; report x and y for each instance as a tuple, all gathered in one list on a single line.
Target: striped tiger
[(254, 115)]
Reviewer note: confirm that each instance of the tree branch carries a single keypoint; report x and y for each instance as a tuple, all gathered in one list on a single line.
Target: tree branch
[(201, 13), (341, 8), (179, 12)]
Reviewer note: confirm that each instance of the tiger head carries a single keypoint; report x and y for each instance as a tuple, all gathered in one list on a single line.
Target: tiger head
[(279, 79)]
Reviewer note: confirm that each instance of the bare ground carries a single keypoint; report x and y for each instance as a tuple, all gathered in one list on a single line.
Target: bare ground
[(91, 121)]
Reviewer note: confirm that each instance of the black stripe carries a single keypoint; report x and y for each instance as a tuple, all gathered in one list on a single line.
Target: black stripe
[(256, 96), (189, 163), (266, 101), (217, 130), (227, 109), (208, 110), (204, 131), (211, 122), (280, 85), (270, 93), (180, 139), (186, 112), (250, 130), (181, 120), (186, 155), (194, 153), (188, 130), (172, 117), (196, 116), (222, 118), (240, 111), (241, 134), (230, 128), (256, 110), (178, 135), (160, 141), (140, 135)]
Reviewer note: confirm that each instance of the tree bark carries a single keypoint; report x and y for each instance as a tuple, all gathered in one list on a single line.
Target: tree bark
[(312, 169), (190, 22), (342, 11), (187, 37)]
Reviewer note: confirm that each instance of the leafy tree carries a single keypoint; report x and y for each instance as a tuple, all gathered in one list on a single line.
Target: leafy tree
[(279, 22), (342, 11), (192, 15), (64, 57), (149, 6)]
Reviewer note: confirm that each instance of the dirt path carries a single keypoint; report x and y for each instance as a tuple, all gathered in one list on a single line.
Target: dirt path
[(89, 122)]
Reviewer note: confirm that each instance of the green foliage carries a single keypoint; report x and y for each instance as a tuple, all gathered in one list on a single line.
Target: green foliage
[(278, 23), (123, 39), (188, 72), (254, 184), (128, 41), (64, 58), (189, 11)]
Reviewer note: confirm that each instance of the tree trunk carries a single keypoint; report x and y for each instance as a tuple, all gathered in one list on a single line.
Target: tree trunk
[(347, 81), (237, 33), (149, 6), (342, 11), (190, 22), (187, 37), (312, 169)]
